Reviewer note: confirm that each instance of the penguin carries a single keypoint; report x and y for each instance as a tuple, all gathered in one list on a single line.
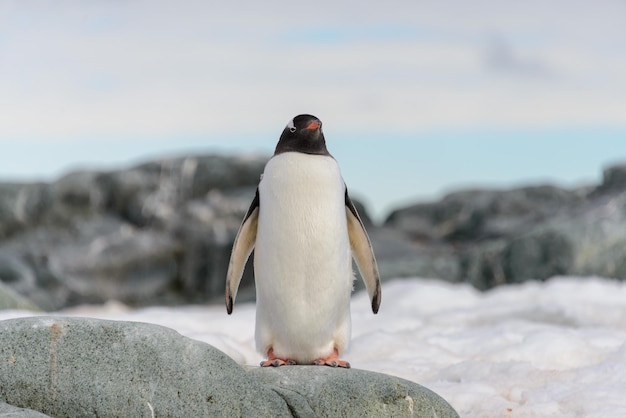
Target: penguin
[(304, 230)]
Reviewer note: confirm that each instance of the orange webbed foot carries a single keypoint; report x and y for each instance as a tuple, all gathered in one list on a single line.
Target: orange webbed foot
[(332, 361), (273, 361)]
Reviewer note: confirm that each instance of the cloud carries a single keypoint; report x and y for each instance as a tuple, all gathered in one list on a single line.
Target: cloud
[(164, 68)]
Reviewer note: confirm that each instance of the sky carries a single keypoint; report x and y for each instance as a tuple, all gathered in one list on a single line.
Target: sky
[(417, 98)]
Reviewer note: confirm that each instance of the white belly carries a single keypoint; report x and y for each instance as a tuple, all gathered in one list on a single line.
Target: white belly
[(302, 261)]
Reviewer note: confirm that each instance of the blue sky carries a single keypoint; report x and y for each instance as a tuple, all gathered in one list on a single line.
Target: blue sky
[(417, 98)]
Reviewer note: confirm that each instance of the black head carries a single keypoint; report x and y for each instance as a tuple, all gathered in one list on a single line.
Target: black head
[(303, 134)]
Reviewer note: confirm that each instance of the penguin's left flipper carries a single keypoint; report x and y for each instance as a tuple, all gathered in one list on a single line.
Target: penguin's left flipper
[(363, 253), (242, 248)]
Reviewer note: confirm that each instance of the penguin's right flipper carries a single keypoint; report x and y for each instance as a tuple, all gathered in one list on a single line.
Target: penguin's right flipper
[(242, 248), (363, 253)]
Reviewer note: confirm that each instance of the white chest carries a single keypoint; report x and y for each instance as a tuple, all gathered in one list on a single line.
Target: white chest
[(302, 238), (301, 191)]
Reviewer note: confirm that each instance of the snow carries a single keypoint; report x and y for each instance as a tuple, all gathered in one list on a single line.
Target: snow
[(540, 349)]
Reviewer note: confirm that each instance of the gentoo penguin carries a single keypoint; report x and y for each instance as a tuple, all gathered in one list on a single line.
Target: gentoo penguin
[(304, 230)]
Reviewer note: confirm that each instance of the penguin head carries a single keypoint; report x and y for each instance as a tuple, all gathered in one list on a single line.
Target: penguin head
[(303, 134)]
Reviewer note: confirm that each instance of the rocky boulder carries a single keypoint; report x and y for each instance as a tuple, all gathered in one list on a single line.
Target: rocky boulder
[(473, 215), (313, 391), (67, 367), (160, 232), (494, 237), (10, 411), (156, 233), (9, 299), (613, 179)]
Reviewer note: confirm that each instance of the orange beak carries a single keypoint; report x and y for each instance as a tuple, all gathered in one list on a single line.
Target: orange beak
[(313, 125)]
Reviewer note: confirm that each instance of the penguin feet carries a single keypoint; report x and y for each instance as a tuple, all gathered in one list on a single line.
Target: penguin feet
[(273, 361), (332, 361)]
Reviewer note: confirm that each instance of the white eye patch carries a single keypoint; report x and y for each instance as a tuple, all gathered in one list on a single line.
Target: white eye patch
[(291, 126)]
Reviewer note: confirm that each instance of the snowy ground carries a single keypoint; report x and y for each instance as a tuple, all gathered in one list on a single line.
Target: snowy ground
[(555, 349)]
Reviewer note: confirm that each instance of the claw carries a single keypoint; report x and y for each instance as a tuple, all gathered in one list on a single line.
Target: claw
[(273, 361), (332, 361)]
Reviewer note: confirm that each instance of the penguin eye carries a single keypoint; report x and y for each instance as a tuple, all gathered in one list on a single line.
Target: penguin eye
[(292, 129)]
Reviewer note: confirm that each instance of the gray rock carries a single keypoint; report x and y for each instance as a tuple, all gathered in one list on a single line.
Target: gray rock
[(162, 231), (206, 230), (481, 265), (10, 411), (595, 235), (583, 241), (153, 193), (482, 236), (22, 205), (482, 214), (399, 257), (313, 391), (80, 192), (16, 273), (538, 255), (67, 367), (90, 260), (109, 259), (528, 233), (614, 179), (9, 299), (28, 274), (159, 232)]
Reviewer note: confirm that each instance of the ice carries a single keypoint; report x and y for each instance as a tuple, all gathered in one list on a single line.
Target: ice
[(539, 349)]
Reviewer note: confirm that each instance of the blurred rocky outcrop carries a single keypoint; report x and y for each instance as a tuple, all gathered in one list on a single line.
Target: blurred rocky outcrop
[(161, 233), (493, 237)]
